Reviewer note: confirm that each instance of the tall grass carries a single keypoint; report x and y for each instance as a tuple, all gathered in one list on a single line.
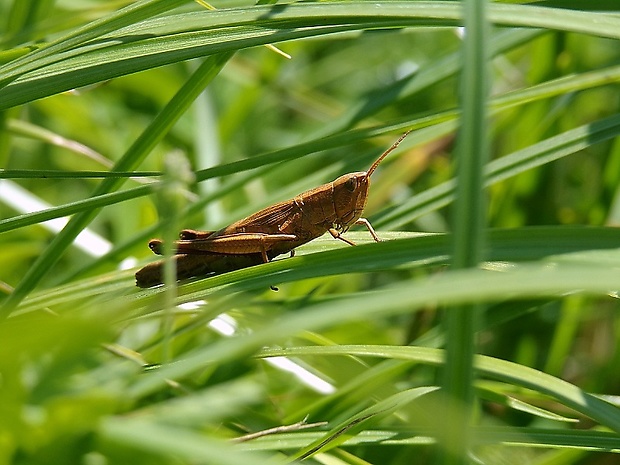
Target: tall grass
[(95, 96)]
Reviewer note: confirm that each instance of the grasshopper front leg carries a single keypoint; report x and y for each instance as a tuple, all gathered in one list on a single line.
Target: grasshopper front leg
[(363, 221), (371, 230)]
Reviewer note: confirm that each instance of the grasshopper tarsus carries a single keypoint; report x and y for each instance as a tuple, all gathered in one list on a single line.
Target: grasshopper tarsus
[(275, 230)]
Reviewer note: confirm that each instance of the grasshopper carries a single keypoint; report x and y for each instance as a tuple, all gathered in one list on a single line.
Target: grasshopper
[(333, 207)]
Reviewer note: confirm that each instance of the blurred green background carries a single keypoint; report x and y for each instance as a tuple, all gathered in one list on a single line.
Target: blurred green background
[(73, 382)]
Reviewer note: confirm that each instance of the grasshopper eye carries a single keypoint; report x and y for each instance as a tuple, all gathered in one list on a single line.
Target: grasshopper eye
[(350, 184)]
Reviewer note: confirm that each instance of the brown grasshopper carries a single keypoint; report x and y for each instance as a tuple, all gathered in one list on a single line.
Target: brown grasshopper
[(333, 207)]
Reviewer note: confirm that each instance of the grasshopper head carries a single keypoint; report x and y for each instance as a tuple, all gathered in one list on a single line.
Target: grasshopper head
[(350, 192)]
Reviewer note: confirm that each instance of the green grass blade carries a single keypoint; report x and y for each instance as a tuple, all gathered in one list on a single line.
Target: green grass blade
[(176, 38), (569, 394), (472, 154), (139, 150), (535, 155)]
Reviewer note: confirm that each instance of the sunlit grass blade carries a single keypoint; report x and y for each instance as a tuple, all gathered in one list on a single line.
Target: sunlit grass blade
[(509, 372)]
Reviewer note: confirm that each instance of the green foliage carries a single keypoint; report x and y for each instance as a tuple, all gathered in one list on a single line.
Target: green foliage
[(95, 96)]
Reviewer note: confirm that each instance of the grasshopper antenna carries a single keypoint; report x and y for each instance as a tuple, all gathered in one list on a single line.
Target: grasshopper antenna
[(387, 152)]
